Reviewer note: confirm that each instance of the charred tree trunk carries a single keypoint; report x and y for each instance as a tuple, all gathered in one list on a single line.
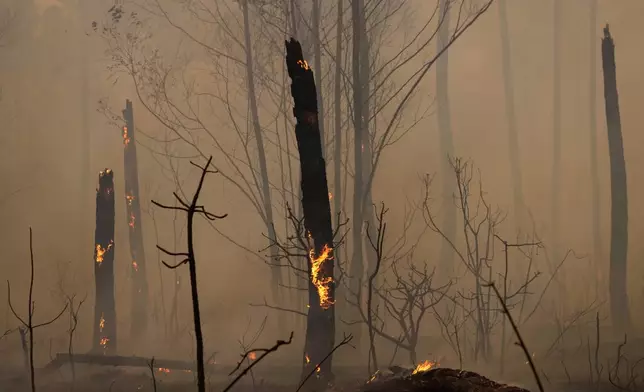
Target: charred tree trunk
[(104, 306), (513, 138), (594, 166), (139, 310), (446, 141), (320, 327), (356, 271), (619, 202), (267, 215)]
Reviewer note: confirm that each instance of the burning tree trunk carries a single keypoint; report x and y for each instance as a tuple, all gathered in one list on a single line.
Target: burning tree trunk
[(104, 307), (619, 203), (133, 208), (320, 328)]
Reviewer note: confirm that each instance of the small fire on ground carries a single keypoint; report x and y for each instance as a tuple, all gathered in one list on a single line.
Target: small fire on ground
[(424, 366)]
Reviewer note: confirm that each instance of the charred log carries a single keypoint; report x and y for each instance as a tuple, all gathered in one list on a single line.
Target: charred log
[(618, 193), (139, 313), (104, 306), (320, 327)]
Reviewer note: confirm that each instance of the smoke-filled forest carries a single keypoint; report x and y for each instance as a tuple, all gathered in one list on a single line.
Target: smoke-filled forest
[(321, 195)]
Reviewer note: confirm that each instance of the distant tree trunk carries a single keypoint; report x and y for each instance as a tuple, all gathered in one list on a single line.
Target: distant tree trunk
[(619, 202), (446, 141), (594, 166), (337, 140), (556, 153), (276, 276), (317, 45), (104, 307), (139, 307), (513, 139), (356, 271), (320, 327)]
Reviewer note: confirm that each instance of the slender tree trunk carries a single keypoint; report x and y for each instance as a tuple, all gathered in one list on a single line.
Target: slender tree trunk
[(513, 139), (276, 276), (139, 307), (356, 271), (619, 202), (556, 154), (446, 141), (104, 306), (337, 139), (320, 327), (317, 45), (594, 167)]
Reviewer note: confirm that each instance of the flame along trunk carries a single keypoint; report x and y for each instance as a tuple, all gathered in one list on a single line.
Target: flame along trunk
[(104, 306), (320, 327), (133, 209)]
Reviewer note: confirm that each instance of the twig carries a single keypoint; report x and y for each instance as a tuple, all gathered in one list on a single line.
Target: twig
[(345, 341), (154, 378), (518, 334), (264, 351)]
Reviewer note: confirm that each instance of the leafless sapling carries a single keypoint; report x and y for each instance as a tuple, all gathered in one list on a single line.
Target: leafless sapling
[(191, 209), (28, 325)]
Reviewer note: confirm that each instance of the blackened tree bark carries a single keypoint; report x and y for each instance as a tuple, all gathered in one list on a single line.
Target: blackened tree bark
[(139, 310), (594, 166), (104, 306), (446, 138), (320, 327), (619, 202), (317, 50)]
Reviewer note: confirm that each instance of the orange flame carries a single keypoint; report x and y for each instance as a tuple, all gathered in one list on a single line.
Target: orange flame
[(126, 138), (424, 366), (103, 342), (164, 370), (330, 196), (306, 358), (321, 283), (135, 266), (252, 356), (304, 64), (101, 323), (132, 220), (129, 199), (100, 251)]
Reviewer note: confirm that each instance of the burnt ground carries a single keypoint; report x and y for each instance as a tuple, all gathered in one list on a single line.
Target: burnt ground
[(400, 380)]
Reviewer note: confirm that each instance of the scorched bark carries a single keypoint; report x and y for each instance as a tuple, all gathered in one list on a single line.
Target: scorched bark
[(104, 308), (133, 208), (320, 328)]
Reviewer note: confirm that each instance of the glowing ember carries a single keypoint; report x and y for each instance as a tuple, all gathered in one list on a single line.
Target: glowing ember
[(373, 377), (101, 323), (132, 220), (252, 356), (424, 366), (330, 196), (303, 64), (100, 251), (306, 358), (164, 370), (135, 266), (103, 342), (126, 138), (129, 199), (322, 284)]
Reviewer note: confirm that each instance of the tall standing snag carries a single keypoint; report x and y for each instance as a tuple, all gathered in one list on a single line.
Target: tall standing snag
[(189, 258), (104, 306), (320, 327), (133, 207), (619, 202)]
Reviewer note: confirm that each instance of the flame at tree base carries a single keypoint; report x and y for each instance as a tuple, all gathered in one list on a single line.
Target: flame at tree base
[(322, 284)]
